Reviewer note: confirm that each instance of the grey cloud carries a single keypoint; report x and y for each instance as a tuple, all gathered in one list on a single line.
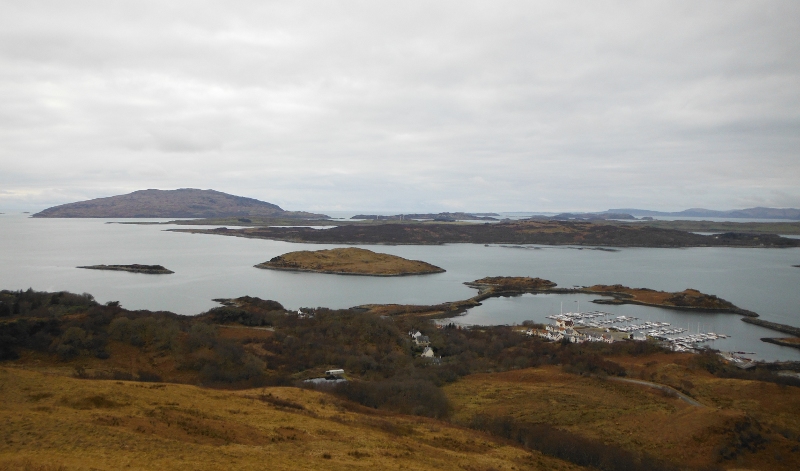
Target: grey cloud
[(404, 106)]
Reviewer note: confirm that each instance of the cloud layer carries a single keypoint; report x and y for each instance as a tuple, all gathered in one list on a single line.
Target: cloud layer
[(404, 105)]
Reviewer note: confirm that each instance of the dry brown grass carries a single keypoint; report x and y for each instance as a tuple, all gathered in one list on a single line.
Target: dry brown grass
[(244, 333), (646, 420), (352, 260), (55, 423)]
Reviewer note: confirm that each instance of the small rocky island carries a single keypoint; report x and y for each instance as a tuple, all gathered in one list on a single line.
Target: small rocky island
[(135, 268), (349, 261)]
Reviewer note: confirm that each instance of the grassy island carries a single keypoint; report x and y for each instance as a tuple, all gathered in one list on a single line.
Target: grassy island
[(135, 268), (349, 261)]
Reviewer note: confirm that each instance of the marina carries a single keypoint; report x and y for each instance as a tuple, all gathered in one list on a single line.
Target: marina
[(661, 331)]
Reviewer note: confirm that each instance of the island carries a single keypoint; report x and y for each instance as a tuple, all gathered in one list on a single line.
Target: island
[(349, 261), (135, 268), (180, 203)]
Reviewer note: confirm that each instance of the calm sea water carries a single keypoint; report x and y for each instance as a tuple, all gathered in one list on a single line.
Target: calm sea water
[(43, 254)]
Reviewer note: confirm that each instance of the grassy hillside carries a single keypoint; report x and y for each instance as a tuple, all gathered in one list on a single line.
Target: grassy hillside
[(741, 424), (54, 422), (86, 386)]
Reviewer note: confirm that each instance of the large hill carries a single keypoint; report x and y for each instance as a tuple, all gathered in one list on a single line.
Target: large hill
[(181, 203)]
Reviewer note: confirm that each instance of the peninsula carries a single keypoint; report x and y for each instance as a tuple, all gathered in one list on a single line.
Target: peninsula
[(497, 286), (544, 232), (181, 203), (349, 261), (135, 268)]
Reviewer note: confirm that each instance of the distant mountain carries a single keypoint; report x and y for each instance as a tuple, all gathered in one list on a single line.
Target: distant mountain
[(754, 213), (181, 203)]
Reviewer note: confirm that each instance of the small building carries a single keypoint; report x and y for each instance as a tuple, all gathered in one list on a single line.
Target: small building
[(334, 373), (422, 341), (427, 353)]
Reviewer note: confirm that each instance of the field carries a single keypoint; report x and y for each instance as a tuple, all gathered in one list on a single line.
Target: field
[(741, 424), (55, 422)]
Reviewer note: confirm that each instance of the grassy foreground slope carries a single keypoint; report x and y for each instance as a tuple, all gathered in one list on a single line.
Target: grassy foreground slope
[(742, 424), (54, 422), (573, 402)]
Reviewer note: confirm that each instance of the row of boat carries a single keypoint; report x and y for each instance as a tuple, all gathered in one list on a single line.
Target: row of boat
[(659, 330)]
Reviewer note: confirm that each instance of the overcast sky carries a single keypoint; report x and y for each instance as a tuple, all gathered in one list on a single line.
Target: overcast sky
[(403, 105)]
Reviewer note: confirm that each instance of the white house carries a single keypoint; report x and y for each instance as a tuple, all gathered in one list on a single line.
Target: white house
[(422, 341), (427, 353)]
